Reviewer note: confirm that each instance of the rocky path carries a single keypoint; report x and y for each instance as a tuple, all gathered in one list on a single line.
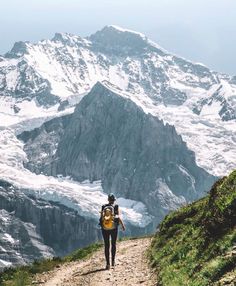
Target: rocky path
[(131, 269)]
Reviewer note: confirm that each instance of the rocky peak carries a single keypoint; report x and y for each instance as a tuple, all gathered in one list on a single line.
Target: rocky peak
[(134, 154), (60, 37), (114, 39), (121, 31), (66, 39), (18, 50)]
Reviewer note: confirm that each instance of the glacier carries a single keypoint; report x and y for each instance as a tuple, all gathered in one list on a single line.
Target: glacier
[(85, 197)]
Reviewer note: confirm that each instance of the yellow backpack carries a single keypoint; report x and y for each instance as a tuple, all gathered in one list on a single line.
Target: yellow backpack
[(108, 217)]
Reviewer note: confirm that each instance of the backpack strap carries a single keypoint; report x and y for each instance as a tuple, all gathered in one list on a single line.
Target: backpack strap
[(116, 209), (100, 219)]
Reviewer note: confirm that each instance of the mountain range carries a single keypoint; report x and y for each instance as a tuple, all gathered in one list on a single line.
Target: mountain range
[(61, 70), (80, 117)]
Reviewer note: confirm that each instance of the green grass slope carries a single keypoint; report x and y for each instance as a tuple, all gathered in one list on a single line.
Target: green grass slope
[(195, 246)]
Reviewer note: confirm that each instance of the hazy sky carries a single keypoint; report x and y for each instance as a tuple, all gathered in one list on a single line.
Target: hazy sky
[(199, 30)]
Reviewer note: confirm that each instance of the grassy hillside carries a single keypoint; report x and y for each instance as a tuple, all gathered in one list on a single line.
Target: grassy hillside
[(196, 245)]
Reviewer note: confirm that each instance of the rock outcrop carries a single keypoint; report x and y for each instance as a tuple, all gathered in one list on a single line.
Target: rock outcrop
[(135, 154), (31, 228)]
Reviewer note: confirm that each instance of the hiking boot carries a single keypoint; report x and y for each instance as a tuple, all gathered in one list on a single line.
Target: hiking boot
[(107, 267), (113, 264)]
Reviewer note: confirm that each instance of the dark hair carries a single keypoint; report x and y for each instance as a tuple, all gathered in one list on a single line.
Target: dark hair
[(111, 197)]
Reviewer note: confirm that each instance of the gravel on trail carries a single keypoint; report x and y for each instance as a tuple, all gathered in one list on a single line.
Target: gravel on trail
[(131, 268)]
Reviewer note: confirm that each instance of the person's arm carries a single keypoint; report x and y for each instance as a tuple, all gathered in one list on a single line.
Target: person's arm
[(121, 221), (122, 224)]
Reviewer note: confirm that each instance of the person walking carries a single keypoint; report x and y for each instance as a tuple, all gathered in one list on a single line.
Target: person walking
[(109, 222)]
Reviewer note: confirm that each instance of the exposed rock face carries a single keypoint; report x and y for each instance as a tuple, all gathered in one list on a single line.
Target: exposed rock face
[(45, 142), (112, 41), (32, 229), (134, 154), (227, 112), (20, 243), (29, 84)]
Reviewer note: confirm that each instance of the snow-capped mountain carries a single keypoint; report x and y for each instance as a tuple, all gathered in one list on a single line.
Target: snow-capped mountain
[(67, 88), (56, 176), (199, 102), (68, 65), (134, 154)]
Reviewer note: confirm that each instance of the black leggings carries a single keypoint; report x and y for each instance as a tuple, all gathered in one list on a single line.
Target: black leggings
[(106, 236)]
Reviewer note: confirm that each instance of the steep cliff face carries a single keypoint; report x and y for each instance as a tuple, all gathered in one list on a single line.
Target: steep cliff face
[(20, 243), (32, 229), (136, 156), (42, 144)]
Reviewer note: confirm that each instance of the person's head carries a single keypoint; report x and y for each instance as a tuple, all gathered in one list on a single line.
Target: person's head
[(111, 198)]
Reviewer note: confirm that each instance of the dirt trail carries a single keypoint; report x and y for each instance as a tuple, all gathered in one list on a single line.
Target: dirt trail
[(131, 269)]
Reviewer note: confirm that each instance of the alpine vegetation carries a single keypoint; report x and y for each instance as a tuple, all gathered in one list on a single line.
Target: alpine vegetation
[(196, 244)]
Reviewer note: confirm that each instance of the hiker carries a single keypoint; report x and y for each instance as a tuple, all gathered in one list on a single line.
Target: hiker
[(109, 222)]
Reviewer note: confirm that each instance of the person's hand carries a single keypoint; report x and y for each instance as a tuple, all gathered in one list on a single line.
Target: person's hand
[(123, 227)]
